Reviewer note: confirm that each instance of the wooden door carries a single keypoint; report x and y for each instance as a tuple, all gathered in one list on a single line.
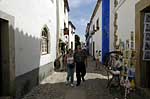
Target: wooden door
[(0, 63), (4, 58)]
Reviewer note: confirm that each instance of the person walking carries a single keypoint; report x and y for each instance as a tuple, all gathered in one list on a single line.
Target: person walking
[(70, 67), (80, 58)]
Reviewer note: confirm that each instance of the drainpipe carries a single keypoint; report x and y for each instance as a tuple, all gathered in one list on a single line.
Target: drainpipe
[(57, 29)]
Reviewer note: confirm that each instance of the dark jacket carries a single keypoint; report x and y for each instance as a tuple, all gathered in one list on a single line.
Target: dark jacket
[(80, 56)]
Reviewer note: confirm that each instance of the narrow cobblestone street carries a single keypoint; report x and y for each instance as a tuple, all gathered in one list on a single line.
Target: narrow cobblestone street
[(53, 87), (40, 40)]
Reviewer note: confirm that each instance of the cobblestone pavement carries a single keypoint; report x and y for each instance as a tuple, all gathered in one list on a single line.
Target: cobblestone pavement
[(53, 87)]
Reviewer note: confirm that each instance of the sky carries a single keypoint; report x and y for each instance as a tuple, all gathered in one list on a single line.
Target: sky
[(80, 14)]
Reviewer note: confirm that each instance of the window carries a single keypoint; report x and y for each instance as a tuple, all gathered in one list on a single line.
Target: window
[(97, 24), (72, 45), (132, 45), (93, 27), (64, 25), (132, 36), (72, 30), (44, 41)]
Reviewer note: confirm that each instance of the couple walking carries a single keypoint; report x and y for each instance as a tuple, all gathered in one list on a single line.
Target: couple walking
[(77, 60)]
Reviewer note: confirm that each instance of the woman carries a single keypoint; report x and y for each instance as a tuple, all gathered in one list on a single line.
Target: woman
[(70, 67)]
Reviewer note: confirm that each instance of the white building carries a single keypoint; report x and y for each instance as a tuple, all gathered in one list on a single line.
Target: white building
[(71, 38), (62, 21), (100, 30), (111, 26), (124, 28), (28, 43), (125, 22), (116, 22), (122, 23), (96, 29)]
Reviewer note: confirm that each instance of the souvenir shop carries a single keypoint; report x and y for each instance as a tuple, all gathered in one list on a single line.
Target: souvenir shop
[(142, 40)]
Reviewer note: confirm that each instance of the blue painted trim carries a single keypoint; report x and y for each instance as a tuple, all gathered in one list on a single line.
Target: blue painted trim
[(105, 27)]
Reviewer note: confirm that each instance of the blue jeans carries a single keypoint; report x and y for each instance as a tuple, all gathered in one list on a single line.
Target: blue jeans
[(70, 72)]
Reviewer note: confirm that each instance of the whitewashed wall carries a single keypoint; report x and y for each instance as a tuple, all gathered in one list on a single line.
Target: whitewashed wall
[(111, 46), (30, 17), (91, 39), (97, 37), (71, 37), (90, 46), (63, 17), (66, 17), (126, 19)]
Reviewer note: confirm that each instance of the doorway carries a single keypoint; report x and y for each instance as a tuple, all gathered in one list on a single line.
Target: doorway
[(72, 45), (94, 49), (146, 67), (4, 58), (141, 39)]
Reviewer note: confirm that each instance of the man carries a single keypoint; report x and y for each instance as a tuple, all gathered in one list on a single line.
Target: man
[(80, 58)]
